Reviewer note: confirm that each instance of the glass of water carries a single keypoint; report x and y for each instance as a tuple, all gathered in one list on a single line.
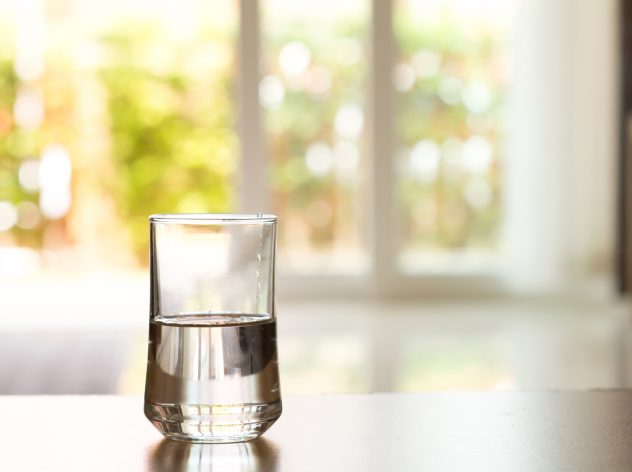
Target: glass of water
[(212, 370)]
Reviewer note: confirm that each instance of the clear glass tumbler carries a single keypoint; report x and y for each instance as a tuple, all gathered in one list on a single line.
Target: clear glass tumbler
[(212, 370)]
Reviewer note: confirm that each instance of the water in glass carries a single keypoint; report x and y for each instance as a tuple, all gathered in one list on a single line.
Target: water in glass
[(212, 377)]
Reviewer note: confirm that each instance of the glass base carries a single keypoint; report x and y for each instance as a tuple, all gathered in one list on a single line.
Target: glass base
[(202, 423)]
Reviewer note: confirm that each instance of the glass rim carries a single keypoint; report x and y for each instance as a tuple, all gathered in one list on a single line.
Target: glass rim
[(213, 218)]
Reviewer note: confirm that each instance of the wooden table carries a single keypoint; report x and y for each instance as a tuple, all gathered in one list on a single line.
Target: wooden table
[(494, 431)]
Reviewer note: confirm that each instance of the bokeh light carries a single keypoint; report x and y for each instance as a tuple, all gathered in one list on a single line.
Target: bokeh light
[(28, 215), (349, 121), (424, 160), (29, 175), (271, 92), (477, 155), (294, 59), (28, 110), (8, 216), (319, 159), (403, 77)]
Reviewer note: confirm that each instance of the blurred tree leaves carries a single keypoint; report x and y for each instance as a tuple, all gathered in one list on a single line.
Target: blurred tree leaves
[(172, 127), (446, 212)]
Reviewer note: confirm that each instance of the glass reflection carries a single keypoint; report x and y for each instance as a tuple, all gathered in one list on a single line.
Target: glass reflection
[(171, 456)]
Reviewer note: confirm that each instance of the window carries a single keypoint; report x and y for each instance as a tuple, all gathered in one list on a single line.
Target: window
[(375, 129)]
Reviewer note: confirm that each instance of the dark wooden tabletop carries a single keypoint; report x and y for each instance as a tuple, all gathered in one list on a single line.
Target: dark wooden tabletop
[(486, 431)]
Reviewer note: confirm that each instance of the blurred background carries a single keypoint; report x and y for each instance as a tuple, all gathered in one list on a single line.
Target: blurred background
[(449, 176)]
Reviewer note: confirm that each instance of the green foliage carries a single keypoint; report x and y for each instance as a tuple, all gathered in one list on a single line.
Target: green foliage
[(9, 185), (467, 53), (15, 145), (173, 138), (306, 118)]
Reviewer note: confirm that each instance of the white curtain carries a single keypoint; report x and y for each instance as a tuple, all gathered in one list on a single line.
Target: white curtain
[(560, 179)]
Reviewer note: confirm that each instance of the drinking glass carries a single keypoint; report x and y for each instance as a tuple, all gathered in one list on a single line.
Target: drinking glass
[(212, 369)]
